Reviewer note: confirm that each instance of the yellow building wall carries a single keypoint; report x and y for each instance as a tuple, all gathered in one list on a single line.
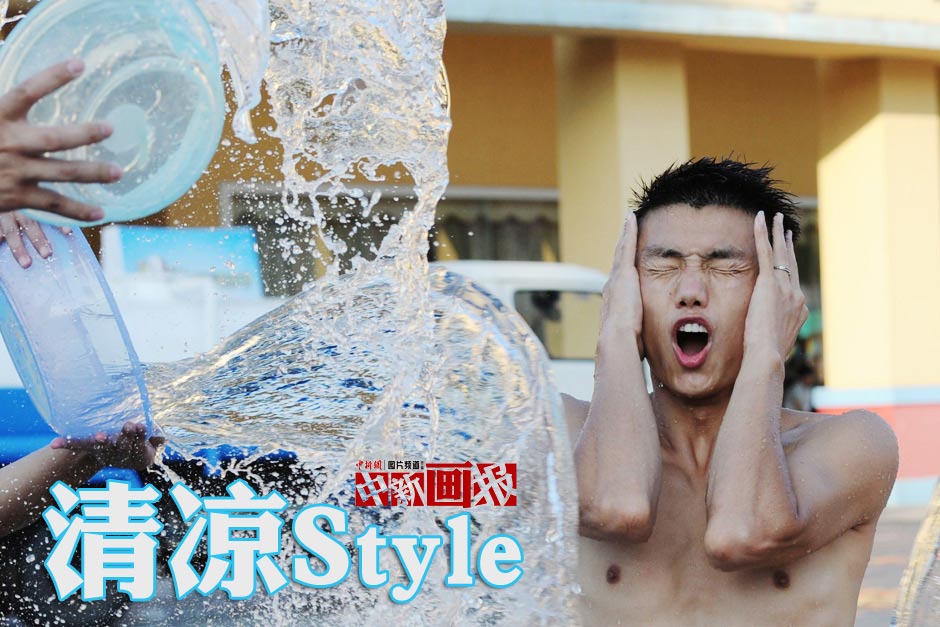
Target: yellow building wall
[(879, 223), (623, 118), (913, 10), (759, 108), (504, 134), (505, 119), (503, 110)]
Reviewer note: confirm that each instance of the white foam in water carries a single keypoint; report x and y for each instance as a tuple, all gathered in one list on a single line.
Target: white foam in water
[(4, 15), (374, 361)]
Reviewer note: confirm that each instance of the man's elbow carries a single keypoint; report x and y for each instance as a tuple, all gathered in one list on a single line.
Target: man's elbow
[(617, 522), (729, 551)]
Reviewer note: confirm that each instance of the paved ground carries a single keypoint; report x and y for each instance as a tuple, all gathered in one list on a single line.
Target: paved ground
[(894, 539)]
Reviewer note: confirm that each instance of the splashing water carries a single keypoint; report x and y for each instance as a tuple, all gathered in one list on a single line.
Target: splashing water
[(245, 23), (373, 361), (376, 360), (919, 595), (480, 391), (4, 15)]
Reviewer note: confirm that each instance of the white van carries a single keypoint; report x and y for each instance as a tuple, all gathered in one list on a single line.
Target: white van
[(561, 302)]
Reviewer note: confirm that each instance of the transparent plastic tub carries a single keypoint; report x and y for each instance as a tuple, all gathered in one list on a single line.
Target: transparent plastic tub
[(68, 342)]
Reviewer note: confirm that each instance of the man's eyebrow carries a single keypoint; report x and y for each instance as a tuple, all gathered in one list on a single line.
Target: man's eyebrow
[(730, 252), (659, 251)]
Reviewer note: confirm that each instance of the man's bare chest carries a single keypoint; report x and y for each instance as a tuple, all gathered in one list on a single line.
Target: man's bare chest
[(669, 579)]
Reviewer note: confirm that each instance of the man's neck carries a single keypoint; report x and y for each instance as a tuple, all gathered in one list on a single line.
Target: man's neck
[(688, 428)]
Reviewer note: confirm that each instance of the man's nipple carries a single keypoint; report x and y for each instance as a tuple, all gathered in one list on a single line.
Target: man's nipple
[(613, 574), (781, 579)]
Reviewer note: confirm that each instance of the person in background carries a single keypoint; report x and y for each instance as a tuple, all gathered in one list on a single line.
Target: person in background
[(799, 395)]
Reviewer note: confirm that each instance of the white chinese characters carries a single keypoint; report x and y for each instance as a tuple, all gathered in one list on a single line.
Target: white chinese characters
[(116, 528), (113, 530)]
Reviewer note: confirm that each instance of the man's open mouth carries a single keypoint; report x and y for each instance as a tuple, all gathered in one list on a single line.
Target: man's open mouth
[(691, 341)]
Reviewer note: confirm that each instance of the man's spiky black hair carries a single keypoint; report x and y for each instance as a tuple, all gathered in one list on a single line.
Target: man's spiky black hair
[(727, 183)]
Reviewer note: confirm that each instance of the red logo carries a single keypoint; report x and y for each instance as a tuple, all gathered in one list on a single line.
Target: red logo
[(438, 484)]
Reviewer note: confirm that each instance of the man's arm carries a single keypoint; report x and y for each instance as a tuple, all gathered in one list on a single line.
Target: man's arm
[(617, 455), (765, 507), (24, 484)]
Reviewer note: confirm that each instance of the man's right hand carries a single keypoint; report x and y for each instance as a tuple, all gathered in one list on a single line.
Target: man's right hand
[(622, 306), (617, 455), (23, 147)]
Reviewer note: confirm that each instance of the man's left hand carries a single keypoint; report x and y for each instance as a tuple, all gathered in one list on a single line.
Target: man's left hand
[(778, 308)]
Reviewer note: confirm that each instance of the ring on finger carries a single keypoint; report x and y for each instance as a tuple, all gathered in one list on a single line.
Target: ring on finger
[(784, 268)]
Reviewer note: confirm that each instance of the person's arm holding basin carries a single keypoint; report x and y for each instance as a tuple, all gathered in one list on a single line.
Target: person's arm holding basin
[(24, 163), (24, 166), (24, 484)]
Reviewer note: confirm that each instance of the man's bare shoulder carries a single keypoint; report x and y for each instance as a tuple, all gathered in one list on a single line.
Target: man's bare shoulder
[(856, 450), (800, 427)]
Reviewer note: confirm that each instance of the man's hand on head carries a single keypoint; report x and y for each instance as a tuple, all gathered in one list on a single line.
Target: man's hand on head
[(622, 306), (24, 146), (778, 309), (617, 453)]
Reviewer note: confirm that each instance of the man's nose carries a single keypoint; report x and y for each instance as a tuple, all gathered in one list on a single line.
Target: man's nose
[(691, 290)]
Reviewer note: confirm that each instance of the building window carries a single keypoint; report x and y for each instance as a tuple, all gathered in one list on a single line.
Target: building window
[(470, 223), (520, 228)]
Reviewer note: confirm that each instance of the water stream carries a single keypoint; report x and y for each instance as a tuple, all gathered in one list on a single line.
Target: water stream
[(919, 594), (375, 360)]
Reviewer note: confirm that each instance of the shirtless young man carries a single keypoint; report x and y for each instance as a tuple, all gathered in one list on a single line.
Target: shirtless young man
[(706, 503)]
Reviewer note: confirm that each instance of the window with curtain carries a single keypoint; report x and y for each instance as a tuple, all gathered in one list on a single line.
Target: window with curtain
[(507, 230), (294, 251)]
